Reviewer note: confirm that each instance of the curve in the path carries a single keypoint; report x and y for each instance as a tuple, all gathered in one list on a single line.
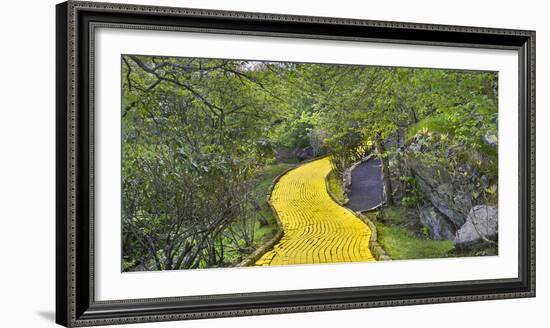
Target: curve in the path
[(316, 228), (366, 186)]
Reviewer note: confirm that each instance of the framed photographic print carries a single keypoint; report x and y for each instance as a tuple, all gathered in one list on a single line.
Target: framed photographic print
[(214, 163)]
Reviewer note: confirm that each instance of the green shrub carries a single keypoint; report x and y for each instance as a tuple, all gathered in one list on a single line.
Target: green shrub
[(433, 123), (412, 194), (395, 215)]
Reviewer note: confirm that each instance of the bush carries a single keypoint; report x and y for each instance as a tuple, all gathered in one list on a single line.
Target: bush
[(434, 123), (412, 195)]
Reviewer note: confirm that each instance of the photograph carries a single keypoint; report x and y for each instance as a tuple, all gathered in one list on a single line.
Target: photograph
[(258, 159), (250, 163)]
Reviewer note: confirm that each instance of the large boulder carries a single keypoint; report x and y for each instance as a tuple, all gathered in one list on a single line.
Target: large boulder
[(440, 227), (481, 225), (490, 139), (448, 196)]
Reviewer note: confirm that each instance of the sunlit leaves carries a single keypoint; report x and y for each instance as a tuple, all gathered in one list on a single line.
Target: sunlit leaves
[(196, 132)]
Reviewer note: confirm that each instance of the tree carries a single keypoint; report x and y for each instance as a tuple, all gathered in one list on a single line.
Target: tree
[(197, 132)]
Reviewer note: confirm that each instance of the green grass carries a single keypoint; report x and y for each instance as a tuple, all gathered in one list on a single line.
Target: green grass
[(395, 215), (335, 185), (400, 243), (265, 178)]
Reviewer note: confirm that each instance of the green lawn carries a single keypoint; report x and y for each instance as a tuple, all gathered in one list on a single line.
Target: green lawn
[(400, 244), (335, 185)]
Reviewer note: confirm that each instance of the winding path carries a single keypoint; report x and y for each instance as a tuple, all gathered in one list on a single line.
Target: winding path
[(316, 228), (366, 186)]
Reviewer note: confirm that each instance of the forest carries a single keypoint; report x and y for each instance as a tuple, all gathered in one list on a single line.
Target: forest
[(204, 140)]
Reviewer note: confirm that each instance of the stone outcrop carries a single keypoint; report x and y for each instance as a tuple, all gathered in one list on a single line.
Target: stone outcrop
[(441, 191), (450, 190), (481, 226), (440, 227)]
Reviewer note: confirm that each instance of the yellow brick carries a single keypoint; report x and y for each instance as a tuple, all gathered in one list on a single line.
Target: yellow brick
[(316, 228)]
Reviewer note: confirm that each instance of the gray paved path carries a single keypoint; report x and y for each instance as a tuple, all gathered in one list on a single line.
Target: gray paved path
[(366, 186)]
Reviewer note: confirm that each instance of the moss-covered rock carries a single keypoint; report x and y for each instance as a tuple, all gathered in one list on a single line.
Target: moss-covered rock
[(439, 226), (481, 227), (454, 181)]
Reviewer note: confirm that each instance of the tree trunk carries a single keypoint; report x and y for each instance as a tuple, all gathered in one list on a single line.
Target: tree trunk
[(385, 169)]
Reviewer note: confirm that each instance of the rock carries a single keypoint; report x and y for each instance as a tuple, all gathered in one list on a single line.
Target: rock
[(483, 182), (450, 187), (439, 225), (414, 147), (346, 178), (490, 139), (450, 197), (482, 220), (444, 199)]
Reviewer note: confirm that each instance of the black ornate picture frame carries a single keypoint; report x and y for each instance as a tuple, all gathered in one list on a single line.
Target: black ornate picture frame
[(75, 301)]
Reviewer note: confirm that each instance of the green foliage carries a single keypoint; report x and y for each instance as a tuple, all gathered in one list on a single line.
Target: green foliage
[(401, 244), (491, 194), (462, 106), (295, 133), (393, 215), (398, 240), (413, 195), (335, 185), (200, 139), (429, 124), (266, 228), (189, 159), (425, 232)]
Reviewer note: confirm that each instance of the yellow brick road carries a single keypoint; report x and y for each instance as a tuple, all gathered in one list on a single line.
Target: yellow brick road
[(316, 228)]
